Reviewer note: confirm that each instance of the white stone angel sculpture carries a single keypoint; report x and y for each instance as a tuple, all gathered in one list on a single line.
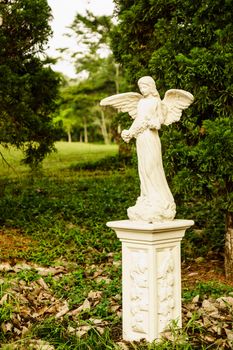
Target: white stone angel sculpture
[(155, 203)]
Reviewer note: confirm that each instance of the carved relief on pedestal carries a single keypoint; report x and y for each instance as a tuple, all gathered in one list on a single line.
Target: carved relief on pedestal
[(166, 289), (139, 293)]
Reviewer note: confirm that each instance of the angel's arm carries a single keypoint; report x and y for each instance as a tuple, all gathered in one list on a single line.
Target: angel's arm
[(148, 116), (139, 125), (136, 128)]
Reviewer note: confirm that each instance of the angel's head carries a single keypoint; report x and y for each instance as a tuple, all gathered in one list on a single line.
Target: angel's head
[(147, 86)]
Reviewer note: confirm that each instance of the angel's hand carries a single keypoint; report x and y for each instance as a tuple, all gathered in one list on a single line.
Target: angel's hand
[(126, 136), (154, 124)]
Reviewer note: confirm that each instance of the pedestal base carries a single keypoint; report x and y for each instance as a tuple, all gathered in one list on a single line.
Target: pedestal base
[(151, 276)]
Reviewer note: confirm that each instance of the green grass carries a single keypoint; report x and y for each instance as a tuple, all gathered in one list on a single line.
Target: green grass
[(67, 155), (211, 289), (63, 211)]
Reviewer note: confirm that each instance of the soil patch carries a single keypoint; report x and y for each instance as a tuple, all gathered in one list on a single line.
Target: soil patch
[(12, 243), (203, 270)]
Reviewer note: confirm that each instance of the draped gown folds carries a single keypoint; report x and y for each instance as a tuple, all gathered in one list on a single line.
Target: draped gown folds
[(155, 202)]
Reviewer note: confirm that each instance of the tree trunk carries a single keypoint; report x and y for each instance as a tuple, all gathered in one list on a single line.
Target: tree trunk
[(229, 247), (85, 131), (104, 129), (69, 136), (117, 78)]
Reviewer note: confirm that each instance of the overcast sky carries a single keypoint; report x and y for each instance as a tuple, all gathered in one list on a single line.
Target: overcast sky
[(64, 12)]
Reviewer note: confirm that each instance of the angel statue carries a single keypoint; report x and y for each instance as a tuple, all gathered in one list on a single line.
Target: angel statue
[(155, 203)]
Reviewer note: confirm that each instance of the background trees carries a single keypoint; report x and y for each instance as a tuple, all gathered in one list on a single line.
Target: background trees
[(28, 87), (100, 76), (188, 45)]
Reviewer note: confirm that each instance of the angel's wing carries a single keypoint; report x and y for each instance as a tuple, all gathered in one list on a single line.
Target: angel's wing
[(126, 102), (174, 102)]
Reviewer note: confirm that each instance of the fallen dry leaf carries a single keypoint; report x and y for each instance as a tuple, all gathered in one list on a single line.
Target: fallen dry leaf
[(209, 338), (6, 327), (196, 299), (46, 271), (97, 273), (100, 330), (229, 334), (115, 307), (45, 309), (209, 307), (117, 263), (4, 299), (42, 283), (82, 330), (97, 321), (122, 346), (105, 279), (63, 310), (225, 302), (16, 330), (5, 267), (94, 295), (86, 306), (22, 266), (191, 274), (40, 345)]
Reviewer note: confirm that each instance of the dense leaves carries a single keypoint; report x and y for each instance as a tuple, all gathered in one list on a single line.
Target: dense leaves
[(187, 45), (28, 86)]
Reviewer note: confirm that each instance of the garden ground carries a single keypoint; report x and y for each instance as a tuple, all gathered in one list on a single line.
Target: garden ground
[(60, 266)]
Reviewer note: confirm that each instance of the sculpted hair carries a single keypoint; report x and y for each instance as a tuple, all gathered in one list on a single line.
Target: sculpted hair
[(147, 80)]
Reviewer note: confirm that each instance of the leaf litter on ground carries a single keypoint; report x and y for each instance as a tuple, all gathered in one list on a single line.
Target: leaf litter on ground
[(33, 301), (205, 320)]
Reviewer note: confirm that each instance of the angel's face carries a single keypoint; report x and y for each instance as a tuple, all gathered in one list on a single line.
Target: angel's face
[(145, 89)]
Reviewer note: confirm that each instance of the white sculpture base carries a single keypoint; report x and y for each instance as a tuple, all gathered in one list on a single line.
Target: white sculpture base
[(151, 276)]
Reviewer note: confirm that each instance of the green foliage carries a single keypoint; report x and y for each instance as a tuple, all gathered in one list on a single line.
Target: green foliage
[(187, 45), (28, 275), (79, 108), (64, 213), (6, 308), (68, 211), (58, 335), (209, 289), (93, 32), (28, 86), (113, 163)]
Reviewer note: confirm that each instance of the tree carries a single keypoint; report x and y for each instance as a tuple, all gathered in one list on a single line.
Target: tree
[(188, 44), (28, 87), (103, 74), (79, 110), (67, 117)]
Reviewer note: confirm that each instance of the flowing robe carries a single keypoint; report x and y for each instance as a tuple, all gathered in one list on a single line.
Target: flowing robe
[(155, 202)]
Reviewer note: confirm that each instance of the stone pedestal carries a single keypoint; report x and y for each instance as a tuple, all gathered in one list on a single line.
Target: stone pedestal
[(151, 276)]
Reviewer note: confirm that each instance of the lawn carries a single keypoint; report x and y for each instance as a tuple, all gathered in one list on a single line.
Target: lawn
[(60, 268), (66, 155)]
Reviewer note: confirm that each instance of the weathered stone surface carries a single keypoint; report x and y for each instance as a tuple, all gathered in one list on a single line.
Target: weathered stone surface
[(155, 203), (151, 276)]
